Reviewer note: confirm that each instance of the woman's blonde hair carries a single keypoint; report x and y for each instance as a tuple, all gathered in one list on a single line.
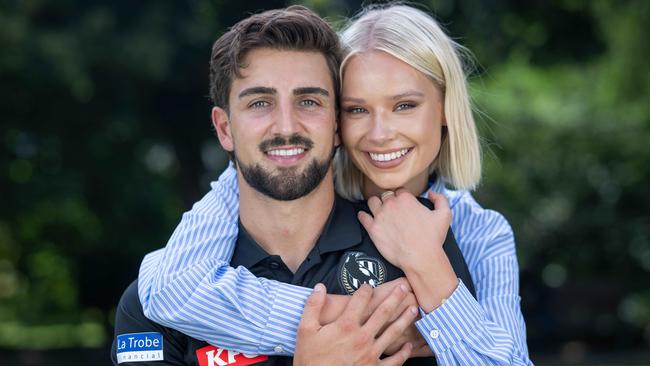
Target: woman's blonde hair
[(415, 38)]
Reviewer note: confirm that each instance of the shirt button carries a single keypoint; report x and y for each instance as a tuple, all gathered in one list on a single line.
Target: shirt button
[(435, 333), (277, 349), (275, 265)]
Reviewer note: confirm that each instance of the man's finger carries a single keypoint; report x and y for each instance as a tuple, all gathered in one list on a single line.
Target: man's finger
[(398, 358), (396, 329), (422, 349), (358, 304), (385, 311), (313, 308)]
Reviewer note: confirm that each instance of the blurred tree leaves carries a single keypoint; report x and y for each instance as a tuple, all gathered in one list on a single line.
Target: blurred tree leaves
[(105, 139)]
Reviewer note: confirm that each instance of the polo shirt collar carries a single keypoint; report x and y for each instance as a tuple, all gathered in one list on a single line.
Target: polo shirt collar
[(341, 231)]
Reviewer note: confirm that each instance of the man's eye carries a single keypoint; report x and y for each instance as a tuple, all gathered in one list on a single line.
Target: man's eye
[(403, 106), (308, 103), (259, 104)]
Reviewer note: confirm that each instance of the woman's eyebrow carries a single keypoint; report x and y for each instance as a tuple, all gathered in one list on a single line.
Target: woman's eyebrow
[(352, 99), (411, 93)]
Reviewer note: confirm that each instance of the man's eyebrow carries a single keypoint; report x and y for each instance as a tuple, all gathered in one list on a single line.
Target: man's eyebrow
[(311, 90), (257, 90)]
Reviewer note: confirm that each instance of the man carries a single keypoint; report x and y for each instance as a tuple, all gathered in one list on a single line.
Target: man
[(276, 116), (279, 124)]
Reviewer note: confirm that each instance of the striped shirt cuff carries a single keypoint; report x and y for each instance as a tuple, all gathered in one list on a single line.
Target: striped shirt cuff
[(279, 336), (459, 318)]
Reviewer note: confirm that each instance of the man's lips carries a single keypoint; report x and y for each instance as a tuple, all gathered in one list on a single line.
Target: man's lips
[(286, 155), (288, 152)]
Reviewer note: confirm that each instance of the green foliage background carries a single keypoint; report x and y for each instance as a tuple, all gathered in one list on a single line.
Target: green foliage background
[(105, 140)]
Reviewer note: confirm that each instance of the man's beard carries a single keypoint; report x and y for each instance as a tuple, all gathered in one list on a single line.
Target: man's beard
[(287, 184)]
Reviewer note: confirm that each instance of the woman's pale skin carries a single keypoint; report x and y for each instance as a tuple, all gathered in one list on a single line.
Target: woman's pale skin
[(392, 118)]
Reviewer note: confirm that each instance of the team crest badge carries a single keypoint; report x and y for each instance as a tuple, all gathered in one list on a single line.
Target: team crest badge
[(359, 268)]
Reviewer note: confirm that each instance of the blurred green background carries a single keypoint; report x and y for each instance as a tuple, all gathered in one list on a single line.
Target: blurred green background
[(105, 140)]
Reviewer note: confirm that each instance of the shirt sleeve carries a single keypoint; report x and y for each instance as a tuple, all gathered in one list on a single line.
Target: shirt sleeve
[(190, 286), (490, 330)]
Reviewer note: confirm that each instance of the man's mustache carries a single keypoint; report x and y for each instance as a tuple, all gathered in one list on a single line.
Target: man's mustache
[(294, 139)]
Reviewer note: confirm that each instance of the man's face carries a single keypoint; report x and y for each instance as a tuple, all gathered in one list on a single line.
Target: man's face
[(282, 122)]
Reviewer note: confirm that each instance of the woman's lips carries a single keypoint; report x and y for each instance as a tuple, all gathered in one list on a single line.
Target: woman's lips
[(388, 159)]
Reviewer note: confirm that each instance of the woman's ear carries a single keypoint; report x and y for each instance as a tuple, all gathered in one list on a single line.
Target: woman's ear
[(337, 136), (221, 124)]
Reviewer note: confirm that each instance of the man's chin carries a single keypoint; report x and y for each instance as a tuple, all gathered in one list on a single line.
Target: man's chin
[(285, 183)]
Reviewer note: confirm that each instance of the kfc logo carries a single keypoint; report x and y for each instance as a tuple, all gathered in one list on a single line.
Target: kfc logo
[(214, 356)]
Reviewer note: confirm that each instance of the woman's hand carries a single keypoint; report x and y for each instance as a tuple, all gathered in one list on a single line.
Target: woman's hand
[(410, 236), (404, 231)]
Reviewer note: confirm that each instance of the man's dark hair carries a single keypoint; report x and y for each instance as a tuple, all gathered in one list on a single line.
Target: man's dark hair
[(294, 28)]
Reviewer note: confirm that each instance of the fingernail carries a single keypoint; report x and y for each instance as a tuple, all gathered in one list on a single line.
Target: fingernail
[(413, 310), (404, 288), (319, 287)]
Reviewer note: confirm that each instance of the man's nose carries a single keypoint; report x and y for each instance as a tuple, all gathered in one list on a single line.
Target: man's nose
[(286, 120)]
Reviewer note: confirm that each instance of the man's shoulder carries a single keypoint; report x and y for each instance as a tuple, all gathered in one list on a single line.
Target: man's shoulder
[(129, 315)]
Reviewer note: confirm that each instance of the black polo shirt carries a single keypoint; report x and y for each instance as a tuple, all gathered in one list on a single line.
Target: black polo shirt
[(343, 258)]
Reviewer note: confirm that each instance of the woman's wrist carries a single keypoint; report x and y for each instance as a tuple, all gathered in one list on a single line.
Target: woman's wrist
[(432, 279)]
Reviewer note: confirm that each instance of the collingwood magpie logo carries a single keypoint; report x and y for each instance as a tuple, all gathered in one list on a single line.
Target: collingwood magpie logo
[(358, 268)]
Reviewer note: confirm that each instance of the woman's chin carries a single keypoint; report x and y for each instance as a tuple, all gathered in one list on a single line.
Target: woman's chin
[(377, 183), (380, 185)]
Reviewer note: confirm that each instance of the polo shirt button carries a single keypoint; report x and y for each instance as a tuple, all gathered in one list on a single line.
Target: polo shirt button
[(278, 349), (434, 333)]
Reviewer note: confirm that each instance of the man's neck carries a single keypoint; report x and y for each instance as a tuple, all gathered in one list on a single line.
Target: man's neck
[(289, 229)]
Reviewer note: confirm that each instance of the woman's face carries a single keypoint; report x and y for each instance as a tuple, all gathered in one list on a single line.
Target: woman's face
[(391, 122)]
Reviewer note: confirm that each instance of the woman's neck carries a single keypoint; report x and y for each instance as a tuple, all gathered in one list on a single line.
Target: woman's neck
[(417, 185)]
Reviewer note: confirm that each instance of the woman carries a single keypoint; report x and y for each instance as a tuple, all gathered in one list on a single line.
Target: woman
[(407, 126)]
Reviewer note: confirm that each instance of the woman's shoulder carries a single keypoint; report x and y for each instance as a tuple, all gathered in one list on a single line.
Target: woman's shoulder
[(486, 231)]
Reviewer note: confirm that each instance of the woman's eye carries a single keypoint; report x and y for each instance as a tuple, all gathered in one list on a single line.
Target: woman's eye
[(355, 110), (259, 104), (403, 106)]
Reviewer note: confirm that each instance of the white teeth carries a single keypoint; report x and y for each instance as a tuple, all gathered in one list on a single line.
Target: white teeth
[(286, 152), (389, 156)]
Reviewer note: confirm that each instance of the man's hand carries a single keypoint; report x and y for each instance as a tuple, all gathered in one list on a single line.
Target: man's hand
[(411, 334), (350, 340), (335, 306)]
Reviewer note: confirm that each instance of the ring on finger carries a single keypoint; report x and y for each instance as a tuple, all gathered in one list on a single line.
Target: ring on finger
[(386, 194)]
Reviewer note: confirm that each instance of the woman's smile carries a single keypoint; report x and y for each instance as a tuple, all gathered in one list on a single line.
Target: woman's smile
[(393, 133)]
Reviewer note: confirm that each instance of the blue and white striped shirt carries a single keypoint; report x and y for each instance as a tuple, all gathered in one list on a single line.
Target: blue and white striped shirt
[(190, 286)]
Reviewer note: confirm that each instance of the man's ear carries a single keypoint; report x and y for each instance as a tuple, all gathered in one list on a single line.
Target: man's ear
[(221, 124)]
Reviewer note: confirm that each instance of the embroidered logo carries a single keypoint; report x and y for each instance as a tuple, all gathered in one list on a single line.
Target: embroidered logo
[(359, 268), (139, 347), (215, 356)]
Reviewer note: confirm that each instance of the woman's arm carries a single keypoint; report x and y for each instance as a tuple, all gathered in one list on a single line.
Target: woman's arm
[(487, 331), (190, 286)]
